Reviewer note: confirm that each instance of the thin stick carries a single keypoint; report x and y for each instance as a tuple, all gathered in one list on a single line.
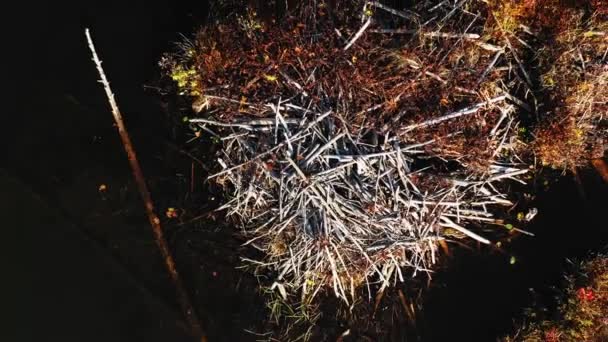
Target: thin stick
[(358, 34), (465, 111), (451, 224), (182, 296), (448, 35), (392, 10)]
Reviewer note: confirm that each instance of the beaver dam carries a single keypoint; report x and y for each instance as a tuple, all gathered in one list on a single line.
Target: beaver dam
[(356, 144)]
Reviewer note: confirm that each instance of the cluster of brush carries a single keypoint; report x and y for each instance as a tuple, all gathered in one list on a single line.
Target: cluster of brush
[(358, 139)]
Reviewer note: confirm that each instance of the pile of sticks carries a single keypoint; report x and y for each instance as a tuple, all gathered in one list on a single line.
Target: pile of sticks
[(338, 196), (331, 206)]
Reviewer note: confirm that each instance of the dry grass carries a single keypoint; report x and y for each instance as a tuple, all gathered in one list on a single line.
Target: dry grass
[(575, 78), (570, 96)]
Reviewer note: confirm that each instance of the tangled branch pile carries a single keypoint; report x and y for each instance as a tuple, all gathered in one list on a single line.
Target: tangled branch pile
[(356, 137)]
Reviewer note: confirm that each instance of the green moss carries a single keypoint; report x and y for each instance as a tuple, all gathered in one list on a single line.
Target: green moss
[(187, 80)]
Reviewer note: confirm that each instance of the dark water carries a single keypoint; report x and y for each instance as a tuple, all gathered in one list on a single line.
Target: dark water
[(479, 296), (62, 142)]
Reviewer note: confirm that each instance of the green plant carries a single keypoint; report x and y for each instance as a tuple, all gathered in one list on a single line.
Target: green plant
[(187, 80)]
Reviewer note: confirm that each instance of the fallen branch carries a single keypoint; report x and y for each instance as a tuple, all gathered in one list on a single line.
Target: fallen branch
[(358, 34), (182, 296), (448, 35), (465, 111)]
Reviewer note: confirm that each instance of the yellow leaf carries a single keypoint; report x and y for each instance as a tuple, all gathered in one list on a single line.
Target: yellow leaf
[(590, 34), (270, 78)]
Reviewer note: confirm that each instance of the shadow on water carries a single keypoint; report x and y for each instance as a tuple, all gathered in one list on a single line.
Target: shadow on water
[(64, 144)]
